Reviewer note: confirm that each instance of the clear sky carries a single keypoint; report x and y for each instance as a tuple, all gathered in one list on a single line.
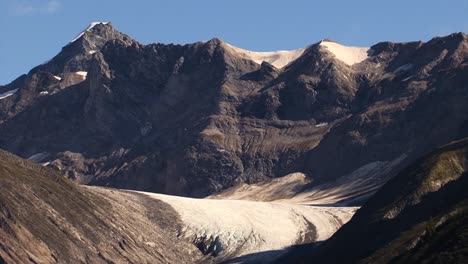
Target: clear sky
[(33, 31)]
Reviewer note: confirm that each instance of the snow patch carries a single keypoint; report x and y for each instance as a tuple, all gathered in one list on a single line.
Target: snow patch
[(93, 24), (348, 55), (57, 78), (279, 59), (82, 73), (91, 52), (8, 94), (44, 93), (321, 125)]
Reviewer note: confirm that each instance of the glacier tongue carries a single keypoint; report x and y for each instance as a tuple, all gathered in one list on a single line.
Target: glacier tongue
[(229, 229)]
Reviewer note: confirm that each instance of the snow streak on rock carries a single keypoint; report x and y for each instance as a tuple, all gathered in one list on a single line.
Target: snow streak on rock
[(8, 94)]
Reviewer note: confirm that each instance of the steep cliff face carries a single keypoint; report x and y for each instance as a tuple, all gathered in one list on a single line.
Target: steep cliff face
[(198, 118), (420, 216)]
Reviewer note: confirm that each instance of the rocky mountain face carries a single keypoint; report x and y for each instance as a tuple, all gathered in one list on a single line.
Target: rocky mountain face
[(420, 216), (196, 119), (46, 218)]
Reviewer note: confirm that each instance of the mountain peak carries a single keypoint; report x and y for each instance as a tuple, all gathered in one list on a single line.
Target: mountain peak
[(76, 55), (95, 36), (90, 29)]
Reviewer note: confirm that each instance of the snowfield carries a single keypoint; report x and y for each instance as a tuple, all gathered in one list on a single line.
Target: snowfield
[(228, 229), (279, 59), (348, 55)]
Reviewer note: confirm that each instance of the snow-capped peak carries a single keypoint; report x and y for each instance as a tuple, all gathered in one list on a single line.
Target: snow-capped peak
[(93, 24), (348, 55)]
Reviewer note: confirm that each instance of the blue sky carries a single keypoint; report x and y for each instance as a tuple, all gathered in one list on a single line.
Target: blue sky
[(33, 31)]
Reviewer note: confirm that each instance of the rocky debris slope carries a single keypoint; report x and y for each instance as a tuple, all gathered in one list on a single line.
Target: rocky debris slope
[(45, 218), (348, 190), (276, 189), (420, 216), (199, 118)]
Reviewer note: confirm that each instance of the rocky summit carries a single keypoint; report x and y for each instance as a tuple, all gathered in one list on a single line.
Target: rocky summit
[(199, 118)]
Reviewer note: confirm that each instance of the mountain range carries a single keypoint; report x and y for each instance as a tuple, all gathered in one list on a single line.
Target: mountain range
[(196, 119), (325, 125)]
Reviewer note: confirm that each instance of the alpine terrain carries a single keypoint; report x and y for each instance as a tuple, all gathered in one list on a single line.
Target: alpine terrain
[(122, 152)]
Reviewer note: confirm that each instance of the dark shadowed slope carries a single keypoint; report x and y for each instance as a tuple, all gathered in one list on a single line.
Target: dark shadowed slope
[(45, 218), (420, 216)]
